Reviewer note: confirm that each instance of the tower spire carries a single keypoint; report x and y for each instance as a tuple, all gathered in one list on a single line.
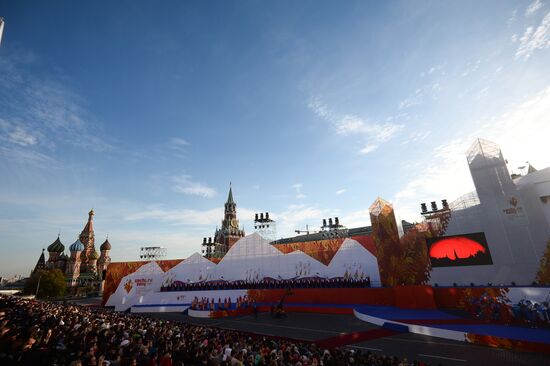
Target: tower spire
[(230, 195), (41, 264), (89, 228)]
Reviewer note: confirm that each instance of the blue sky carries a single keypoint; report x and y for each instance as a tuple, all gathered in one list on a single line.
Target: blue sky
[(146, 111)]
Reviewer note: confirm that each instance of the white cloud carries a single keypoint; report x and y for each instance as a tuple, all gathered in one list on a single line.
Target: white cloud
[(184, 184), (471, 67), (189, 217), (177, 141), (434, 69), (179, 245), (512, 18), (411, 101), (298, 216), (482, 93), (20, 157), (298, 188), (534, 39), (522, 133), (417, 136), (16, 134), (367, 149), (533, 8), (176, 147), (430, 89), (356, 219), (373, 134), (43, 112), (22, 137), (341, 191), (202, 223), (178, 217)]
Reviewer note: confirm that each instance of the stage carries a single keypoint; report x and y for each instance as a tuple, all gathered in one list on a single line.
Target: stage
[(348, 331)]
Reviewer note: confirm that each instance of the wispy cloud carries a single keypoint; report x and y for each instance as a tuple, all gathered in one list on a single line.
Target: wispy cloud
[(184, 184), (429, 90), (298, 188), (341, 191), (179, 244), (42, 113), (512, 18), (534, 39), (417, 136), (176, 147), (436, 69), (203, 222), (356, 218), (533, 8), (16, 134), (178, 141), (471, 67), (21, 157), (482, 93), (178, 217), (373, 134), (188, 217), (412, 100), (298, 216)]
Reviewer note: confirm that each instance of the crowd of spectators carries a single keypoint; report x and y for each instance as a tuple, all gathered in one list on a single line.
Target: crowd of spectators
[(532, 312), (312, 282), (526, 312), (47, 333)]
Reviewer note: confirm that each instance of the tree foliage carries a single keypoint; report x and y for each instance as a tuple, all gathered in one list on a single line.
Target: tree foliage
[(543, 274), (50, 283)]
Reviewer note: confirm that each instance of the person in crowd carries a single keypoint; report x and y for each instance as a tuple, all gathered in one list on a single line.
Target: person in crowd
[(498, 309)]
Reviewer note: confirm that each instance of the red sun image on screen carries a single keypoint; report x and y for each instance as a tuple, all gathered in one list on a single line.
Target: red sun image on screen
[(456, 248)]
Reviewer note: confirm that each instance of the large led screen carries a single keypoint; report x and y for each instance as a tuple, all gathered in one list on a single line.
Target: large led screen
[(459, 250)]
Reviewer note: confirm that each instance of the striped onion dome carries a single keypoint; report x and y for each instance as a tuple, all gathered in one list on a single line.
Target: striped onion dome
[(105, 246), (56, 246), (77, 246)]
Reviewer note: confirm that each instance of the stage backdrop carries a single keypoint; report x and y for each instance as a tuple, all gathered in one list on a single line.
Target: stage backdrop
[(252, 258), (118, 270)]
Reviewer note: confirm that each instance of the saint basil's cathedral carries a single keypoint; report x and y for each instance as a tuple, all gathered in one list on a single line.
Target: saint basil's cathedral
[(84, 265)]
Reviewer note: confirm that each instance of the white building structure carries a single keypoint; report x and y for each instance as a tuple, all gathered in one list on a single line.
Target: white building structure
[(514, 214)]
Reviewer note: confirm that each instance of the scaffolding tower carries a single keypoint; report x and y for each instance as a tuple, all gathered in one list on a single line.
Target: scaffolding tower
[(152, 253), (265, 226)]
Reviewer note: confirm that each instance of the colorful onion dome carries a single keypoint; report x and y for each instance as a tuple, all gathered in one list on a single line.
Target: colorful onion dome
[(77, 246), (56, 246), (105, 246), (94, 255)]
